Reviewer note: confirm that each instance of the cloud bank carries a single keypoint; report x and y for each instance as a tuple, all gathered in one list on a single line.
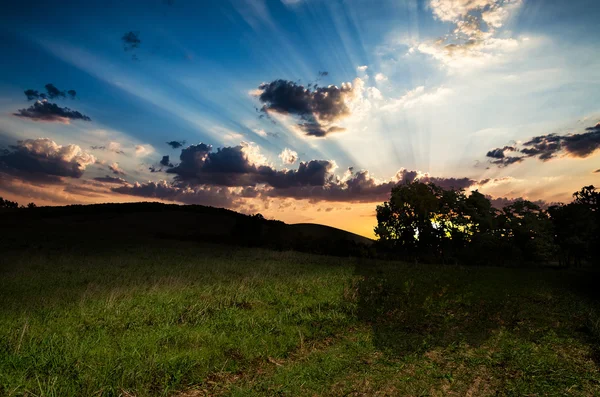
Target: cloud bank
[(547, 147)]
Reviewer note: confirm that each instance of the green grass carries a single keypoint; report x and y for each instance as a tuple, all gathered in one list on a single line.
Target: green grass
[(182, 319)]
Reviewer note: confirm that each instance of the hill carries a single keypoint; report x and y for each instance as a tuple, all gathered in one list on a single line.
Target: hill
[(106, 225), (315, 230)]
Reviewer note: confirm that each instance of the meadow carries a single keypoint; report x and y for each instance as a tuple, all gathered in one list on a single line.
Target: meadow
[(182, 318)]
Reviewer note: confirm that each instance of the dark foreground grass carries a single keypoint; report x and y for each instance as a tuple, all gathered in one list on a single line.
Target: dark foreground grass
[(182, 319)]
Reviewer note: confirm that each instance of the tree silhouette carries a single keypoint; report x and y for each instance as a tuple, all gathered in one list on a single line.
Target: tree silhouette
[(8, 204), (424, 222)]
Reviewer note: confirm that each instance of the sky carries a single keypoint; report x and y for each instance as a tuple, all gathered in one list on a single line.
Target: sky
[(301, 110)]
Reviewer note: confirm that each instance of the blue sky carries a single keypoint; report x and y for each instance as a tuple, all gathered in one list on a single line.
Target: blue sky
[(428, 87)]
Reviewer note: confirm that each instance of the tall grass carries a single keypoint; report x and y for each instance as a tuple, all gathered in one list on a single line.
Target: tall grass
[(209, 320)]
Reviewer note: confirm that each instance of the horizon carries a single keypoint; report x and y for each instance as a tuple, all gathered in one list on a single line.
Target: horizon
[(306, 111)]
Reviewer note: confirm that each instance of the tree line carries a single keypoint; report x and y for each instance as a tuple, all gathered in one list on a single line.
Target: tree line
[(421, 222), (7, 204), (426, 223)]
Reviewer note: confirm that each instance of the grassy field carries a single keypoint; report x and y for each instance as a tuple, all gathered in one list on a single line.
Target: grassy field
[(189, 319)]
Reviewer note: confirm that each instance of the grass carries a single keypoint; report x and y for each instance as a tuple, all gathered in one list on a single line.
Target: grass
[(183, 319)]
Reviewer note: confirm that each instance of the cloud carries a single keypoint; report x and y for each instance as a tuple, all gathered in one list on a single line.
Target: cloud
[(242, 172), (242, 165), (111, 179), (236, 166), (417, 97), (597, 171), (176, 144), (501, 202), (52, 92), (456, 10), (380, 77), (506, 161), (317, 107), (362, 187), (143, 150), (499, 153), (288, 156), (473, 41), (583, 145), (50, 112), (317, 130), (544, 147), (131, 40), (163, 190), (406, 176), (547, 147), (165, 161), (114, 168), (501, 159), (362, 68), (114, 147), (42, 158)]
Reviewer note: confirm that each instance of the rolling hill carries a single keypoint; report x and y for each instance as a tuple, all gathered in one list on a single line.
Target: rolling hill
[(106, 225)]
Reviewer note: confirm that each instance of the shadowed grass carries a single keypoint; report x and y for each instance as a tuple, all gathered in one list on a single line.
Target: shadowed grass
[(190, 320)]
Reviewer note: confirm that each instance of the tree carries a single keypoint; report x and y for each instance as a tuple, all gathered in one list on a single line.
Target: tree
[(423, 220), (528, 228), (479, 209), (404, 222), (573, 230), (576, 227), (589, 197), (8, 204)]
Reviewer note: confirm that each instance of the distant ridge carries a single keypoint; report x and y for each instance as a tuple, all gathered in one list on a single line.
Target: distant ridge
[(318, 230), (115, 224)]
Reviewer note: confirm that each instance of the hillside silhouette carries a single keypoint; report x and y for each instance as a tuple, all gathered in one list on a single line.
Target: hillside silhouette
[(104, 226)]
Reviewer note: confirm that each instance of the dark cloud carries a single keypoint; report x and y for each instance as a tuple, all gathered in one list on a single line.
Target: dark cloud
[(546, 147), (203, 171), (499, 153), (34, 94), (501, 159), (506, 161), (50, 112), (583, 145), (162, 190), (315, 129), (176, 144), (52, 93), (323, 74), (406, 176), (597, 171), (165, 161), (232, 166), (361, 187), (131, 40), (501, 202), (317, 107), (111, 179), (43, 159)]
